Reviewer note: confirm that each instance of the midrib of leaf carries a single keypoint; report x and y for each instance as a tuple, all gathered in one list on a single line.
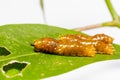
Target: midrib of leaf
[(23, 55)]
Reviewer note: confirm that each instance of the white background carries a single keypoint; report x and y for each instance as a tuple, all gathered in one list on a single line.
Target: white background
[(67, 14), (63, 13)]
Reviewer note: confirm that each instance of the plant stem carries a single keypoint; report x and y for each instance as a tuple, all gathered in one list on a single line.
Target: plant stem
[(112, 11), (88, 27), (111, 23), (43, 11), (114, 22)]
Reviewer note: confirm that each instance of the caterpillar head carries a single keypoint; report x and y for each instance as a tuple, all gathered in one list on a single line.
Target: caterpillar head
[(45, 44)]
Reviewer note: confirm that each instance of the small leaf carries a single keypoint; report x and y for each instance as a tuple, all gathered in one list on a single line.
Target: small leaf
[(18, 38)]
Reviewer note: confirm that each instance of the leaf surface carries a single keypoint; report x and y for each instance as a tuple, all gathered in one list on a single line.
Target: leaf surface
[(17, 38)]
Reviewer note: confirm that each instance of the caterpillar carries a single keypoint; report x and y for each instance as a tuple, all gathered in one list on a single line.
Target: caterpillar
[(97, 37), (74, 49), (51, 45), (76, 45), (101, 42)]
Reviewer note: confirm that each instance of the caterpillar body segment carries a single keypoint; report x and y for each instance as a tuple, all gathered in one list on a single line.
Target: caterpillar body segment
[(104, 48), (74, 49), (103, 38), (97, 37), (101, 42), (45, 45)]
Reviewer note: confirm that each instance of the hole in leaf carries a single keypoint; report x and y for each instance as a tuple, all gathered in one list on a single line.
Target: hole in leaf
[(14, 68), (4, 51)]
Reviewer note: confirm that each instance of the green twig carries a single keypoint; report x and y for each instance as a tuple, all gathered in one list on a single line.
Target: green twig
[(114, 22), (112, 11)]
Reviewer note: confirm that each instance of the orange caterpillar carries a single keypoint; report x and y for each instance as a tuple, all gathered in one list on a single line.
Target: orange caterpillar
[(76, 45), (101, 42), (74, 49), (98, 37)]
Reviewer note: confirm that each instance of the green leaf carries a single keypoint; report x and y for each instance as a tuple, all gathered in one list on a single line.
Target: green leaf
[(16, 39)]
